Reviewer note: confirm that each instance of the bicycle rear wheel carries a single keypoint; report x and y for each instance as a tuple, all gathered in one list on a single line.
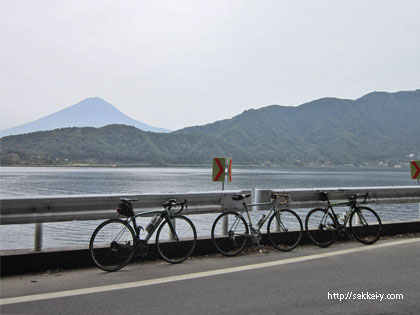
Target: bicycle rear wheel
[(172, 250), (112, 245), (365, 225), (285, 229), (229, 233), (321, 227)]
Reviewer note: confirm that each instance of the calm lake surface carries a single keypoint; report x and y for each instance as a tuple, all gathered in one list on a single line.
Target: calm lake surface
[(42, 181)]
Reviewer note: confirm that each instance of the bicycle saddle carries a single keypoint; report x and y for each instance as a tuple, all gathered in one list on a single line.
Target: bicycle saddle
[(237, 197), (128, 200), (323, 196)]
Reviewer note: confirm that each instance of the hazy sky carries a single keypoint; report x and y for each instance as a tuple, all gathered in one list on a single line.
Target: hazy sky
[(180, 63)]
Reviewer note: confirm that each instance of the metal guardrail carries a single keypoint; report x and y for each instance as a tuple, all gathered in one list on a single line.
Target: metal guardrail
[(40, 210), (92, 207), (309, 198)]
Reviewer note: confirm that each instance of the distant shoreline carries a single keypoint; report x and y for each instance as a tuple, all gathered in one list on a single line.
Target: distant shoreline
[(208, 165)]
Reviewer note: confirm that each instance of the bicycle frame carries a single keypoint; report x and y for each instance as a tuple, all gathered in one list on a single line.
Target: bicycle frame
[(273, 208), (165, 214), (352, 207), (245, 209)]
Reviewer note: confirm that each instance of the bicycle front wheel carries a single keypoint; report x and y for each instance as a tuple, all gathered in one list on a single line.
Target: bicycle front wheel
[(285, 229), (112, 244), (321, 227), (176, 249), (229, 233), (365, 225)]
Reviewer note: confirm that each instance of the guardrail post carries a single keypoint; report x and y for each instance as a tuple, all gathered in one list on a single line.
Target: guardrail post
[(225, 225), (38, 237)]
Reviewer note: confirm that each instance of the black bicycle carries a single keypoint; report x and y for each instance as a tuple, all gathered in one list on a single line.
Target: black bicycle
[(115, 241), (322, 224)]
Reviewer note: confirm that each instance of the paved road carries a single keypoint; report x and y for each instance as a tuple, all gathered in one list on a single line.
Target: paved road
[(308, 280)]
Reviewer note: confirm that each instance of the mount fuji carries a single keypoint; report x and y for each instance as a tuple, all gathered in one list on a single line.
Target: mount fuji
[(91, 112)]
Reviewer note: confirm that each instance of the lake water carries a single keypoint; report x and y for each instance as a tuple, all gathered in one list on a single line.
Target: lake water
[(43, 181)]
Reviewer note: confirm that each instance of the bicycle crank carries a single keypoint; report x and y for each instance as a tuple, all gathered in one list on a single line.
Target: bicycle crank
[(141, 249), (256, 236)]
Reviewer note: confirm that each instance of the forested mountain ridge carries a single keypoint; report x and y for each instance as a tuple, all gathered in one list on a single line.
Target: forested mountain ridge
[(112, 144), (376, 128)]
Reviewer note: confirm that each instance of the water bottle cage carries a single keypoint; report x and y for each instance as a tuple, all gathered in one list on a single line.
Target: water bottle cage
[(152, 222), (261, 220)]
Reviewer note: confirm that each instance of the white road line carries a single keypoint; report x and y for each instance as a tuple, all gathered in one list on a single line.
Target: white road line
[(142, 283)]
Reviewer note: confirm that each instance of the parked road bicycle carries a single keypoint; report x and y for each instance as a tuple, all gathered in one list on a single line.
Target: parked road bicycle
[(322, 224), (115, 241), (230, 231)]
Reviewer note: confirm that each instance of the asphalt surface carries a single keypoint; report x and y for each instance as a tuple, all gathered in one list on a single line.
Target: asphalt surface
[(348, 278)]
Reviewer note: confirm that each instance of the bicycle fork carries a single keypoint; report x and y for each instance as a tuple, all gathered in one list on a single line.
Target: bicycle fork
[(172, 226), (279, 224), (360, 218)]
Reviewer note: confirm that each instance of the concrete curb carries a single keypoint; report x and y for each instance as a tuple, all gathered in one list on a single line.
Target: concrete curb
[(21, 262)]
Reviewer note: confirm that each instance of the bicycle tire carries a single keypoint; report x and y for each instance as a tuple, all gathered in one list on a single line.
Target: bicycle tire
[(322, 234), (281, 229), (112, 245), (369, 230), (176, 251), (234, 242)]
